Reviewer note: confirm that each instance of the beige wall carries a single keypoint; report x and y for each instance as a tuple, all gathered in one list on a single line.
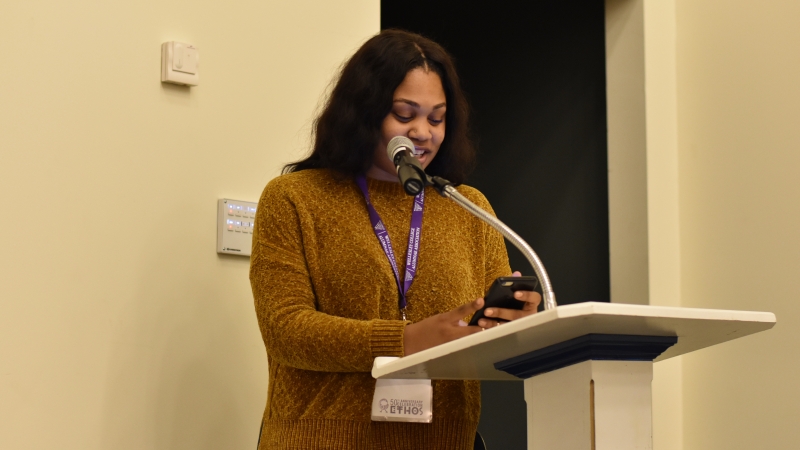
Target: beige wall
[(120, 327), (739, 165), (722, 107)]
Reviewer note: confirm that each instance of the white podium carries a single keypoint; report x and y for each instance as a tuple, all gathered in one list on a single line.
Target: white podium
[(587, 367)]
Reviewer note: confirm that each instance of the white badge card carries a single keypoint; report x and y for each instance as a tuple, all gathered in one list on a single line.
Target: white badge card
[(402, 401)]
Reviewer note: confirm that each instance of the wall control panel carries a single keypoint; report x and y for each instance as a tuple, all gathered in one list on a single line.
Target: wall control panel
[(180, 63), (235, 222)]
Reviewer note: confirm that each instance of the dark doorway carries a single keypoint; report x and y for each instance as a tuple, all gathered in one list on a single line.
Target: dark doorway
[(535, 76)]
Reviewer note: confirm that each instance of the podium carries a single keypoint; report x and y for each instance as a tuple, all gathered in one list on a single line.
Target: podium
[(587, 367)]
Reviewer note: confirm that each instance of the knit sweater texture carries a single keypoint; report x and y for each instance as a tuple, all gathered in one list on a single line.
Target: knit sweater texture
[(327, 304)]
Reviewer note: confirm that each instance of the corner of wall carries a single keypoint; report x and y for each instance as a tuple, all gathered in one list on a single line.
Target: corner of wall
[(627, 160), (643, 180), (663, 207)]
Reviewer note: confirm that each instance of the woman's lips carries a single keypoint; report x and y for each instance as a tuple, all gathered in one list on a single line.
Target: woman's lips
[(422, 157)]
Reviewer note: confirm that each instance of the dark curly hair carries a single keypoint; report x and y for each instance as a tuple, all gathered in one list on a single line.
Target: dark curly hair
[(348, 129)]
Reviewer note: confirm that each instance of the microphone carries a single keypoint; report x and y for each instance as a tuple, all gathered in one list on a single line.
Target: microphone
[(400, 151), (411, 174)]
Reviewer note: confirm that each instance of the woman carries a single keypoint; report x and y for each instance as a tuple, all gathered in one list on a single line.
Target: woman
[(327, 298)]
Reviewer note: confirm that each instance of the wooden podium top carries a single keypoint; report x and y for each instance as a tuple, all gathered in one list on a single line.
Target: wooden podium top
[(473, 357)]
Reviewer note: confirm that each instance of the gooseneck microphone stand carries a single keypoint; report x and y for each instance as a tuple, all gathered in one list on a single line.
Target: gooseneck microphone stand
[(446, 189)]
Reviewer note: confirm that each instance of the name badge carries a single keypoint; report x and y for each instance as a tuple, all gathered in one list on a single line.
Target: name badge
[(402, 401)]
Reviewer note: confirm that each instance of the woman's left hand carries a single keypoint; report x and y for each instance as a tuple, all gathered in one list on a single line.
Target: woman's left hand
[(531, 299)]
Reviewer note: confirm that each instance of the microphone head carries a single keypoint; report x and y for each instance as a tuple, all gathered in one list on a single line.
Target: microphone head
[(398, 144)]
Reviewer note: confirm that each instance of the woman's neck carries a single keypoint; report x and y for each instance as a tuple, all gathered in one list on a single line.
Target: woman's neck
[(377, 173)]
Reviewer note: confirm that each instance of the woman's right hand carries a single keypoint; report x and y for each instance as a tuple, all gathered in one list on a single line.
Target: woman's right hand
[(439, 329)]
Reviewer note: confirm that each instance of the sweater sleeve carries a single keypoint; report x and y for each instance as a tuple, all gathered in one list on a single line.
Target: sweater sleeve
[(294, 332)]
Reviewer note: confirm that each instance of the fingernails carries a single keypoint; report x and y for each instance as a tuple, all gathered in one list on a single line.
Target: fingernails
[(489, 312), (518, 294), (461, 323)]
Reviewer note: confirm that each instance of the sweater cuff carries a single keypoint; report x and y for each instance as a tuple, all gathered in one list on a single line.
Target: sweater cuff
[(387, 337)]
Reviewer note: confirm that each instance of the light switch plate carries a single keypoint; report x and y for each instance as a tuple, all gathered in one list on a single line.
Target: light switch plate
[(184, 58), (235, 225), (180, 63)]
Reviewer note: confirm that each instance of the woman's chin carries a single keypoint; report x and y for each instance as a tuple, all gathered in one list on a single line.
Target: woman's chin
[(424, 159)]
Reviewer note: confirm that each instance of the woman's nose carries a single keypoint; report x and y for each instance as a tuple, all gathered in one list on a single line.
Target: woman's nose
[(420, 131)]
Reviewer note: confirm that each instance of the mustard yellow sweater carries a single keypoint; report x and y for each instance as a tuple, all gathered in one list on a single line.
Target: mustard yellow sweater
[(327, 305)]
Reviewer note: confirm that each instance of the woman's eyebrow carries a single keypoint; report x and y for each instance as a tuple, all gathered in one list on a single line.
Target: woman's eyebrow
[(415, 104)]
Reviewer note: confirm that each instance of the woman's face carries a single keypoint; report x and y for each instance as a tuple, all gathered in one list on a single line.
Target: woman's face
[(418, 113)]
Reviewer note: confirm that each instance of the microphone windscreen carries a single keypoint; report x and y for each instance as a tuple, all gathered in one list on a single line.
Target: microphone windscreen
[(397, 144)]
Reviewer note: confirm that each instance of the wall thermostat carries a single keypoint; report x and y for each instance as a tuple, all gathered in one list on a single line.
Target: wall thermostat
[(235, 223)]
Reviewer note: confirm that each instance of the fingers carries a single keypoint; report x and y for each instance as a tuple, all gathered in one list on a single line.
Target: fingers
[(462, 329), (441, 328), (486, 323), (466, 310), (531, 299), (507, 314)]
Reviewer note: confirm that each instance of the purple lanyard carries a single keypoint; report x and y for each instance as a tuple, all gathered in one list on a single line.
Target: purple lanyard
[(383, 237)]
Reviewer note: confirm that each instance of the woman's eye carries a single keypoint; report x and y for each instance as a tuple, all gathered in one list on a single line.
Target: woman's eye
[(436, 122), (402, 118)]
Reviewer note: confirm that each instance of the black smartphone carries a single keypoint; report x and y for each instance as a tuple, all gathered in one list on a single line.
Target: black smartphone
[(501, 295)]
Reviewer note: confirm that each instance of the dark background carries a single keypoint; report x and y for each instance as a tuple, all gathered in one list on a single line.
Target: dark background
[(535, 78)]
